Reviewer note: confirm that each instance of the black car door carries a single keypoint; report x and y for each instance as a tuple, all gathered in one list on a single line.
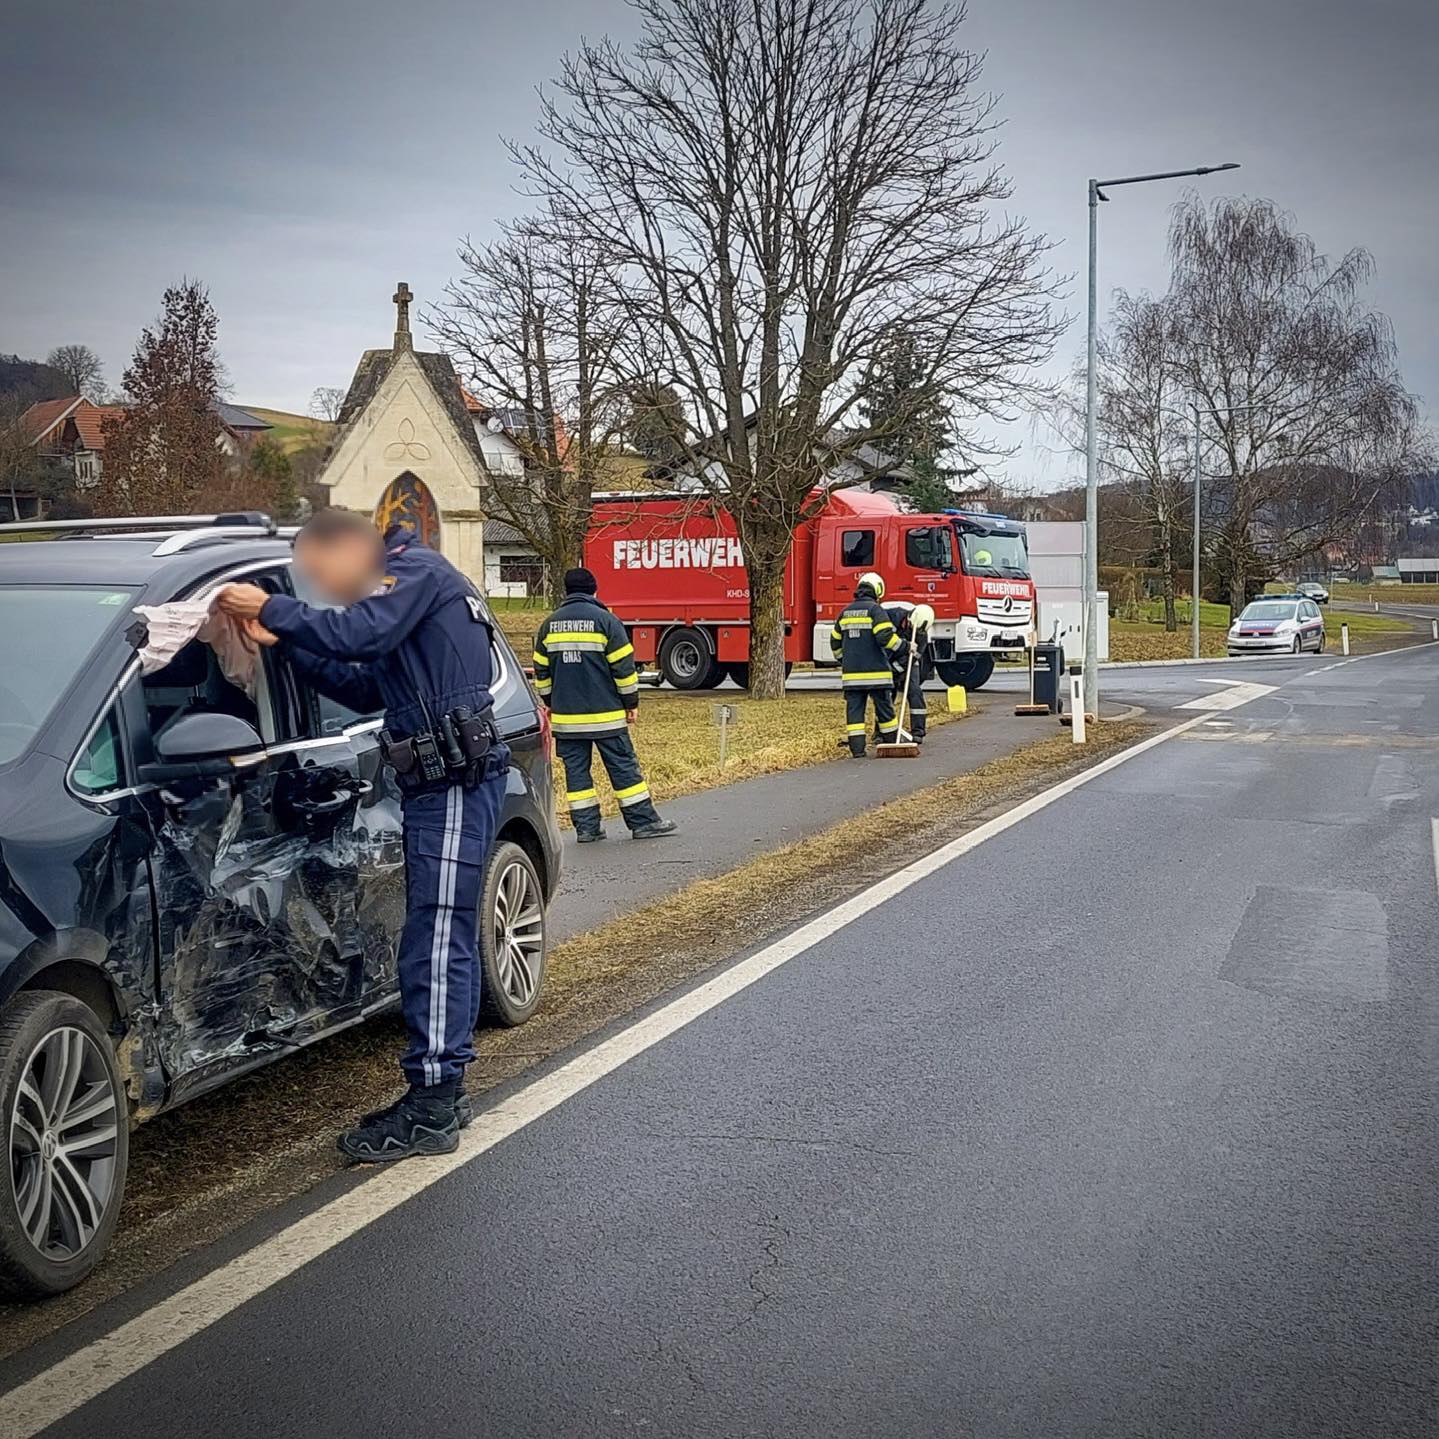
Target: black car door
[(256, 878)]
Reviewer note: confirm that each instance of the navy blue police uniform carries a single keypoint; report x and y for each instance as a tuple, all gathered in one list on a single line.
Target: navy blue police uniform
[(419, 648)]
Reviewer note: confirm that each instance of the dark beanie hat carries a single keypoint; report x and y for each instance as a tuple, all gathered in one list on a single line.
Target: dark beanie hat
[(580, 582)]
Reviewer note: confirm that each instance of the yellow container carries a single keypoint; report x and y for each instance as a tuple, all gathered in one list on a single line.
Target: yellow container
[(958, 700)]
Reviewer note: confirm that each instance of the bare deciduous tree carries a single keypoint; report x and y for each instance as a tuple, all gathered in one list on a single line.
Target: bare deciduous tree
[(787, 188), (1141, 426), (325, 403), (532, 324), (82, 370), (1311, 425)]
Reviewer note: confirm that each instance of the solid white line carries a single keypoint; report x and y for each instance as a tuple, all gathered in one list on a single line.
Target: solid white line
[(1434, 835), (80, 1377), (1229, 699)]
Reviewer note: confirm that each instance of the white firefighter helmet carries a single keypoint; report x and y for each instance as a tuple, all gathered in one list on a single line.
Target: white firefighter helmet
[(921, 618), (874, 581)]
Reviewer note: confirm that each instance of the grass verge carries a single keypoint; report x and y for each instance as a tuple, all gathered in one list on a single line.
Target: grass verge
[(228, 1158)]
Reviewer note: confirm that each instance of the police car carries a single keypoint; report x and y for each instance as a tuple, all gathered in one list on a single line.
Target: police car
[(171, 918), (1277, 624)]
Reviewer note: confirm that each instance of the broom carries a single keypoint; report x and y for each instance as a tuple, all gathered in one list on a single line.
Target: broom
[(901, 748)]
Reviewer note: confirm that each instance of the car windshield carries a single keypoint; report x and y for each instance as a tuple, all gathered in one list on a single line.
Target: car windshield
[(47, 632), (1269, 610), (988, 553)]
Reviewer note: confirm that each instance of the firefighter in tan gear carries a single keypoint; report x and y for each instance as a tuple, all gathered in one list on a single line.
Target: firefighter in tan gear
[(585, 674), (867, 646)]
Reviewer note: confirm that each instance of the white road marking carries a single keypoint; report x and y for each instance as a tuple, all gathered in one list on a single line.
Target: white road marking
[(82, 1376), (1229, 699), (1434, 824)]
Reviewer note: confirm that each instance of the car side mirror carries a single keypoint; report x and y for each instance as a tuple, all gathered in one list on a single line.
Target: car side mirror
[(203, 746)]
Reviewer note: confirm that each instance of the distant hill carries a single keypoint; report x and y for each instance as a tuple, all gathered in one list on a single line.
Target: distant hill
[(293, 432), (30, 380)]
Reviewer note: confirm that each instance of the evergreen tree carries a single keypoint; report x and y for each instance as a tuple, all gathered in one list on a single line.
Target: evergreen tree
[(162, 451), (909, 413)]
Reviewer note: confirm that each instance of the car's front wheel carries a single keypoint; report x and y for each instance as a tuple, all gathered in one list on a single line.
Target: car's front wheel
[(513, 939), (1298, 646), (67, 1140)]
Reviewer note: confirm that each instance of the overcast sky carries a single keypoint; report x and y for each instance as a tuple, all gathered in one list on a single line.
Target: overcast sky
[(301, 157)]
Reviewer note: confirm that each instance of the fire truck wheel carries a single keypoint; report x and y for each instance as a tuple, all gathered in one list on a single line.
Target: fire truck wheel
[(971, 671), (687, 661), (739, 672)]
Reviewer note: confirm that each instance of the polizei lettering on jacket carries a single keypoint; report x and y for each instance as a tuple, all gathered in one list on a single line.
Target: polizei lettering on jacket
[(714, 553)]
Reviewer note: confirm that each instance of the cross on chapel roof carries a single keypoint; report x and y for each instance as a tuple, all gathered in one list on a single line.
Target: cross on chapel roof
[(402, 298)]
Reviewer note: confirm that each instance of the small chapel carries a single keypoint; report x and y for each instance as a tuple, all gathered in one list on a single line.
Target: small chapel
[(410, 445)]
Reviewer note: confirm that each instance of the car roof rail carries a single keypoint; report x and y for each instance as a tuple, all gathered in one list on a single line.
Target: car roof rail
[(238, 521), (190, 539)]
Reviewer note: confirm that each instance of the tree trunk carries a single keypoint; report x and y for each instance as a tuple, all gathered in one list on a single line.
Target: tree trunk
[(766, 635), (1166, 569)]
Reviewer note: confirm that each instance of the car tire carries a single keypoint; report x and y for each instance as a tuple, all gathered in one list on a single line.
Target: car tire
[(686, 660), (971, 671), (1298, 646), (67, 1143), (514, 939), (1319, 648)]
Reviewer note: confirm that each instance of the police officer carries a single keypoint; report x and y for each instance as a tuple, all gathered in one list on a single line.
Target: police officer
[(412, 638), (585, 673), (866, 645)]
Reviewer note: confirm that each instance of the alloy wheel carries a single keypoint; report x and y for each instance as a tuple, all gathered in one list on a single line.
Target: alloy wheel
[(63, 1143), (519, 933)]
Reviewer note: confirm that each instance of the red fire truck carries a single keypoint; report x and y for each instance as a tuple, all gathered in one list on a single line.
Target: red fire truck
[(670, 567)]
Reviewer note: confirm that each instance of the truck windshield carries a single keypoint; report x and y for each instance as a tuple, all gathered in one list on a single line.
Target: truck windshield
[(989, 553), (46, 635)]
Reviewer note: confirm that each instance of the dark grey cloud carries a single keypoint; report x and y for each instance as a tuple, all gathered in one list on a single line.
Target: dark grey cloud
[(302, 157)]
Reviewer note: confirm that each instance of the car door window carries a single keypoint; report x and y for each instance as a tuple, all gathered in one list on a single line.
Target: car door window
[(100, 765)]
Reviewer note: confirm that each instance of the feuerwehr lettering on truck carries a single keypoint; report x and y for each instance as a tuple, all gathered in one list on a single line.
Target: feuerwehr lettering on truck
[(715, 552)]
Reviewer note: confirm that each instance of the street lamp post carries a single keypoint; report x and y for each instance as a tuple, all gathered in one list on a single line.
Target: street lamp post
[(1091, 435)]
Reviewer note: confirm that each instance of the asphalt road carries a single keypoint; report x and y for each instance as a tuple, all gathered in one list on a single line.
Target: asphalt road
[(1120, 1123)]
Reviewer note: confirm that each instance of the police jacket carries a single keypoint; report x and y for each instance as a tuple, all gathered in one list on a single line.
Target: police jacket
[(866, 643), (424, 632), (585, 668)]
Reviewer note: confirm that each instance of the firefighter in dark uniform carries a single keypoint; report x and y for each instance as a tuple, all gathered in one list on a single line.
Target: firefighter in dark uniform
[(412, 639), (911, 624), (585, 673), (867, 645)]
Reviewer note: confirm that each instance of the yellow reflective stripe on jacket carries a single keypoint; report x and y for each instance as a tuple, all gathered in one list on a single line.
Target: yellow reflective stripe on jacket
[(601, 717), (577, 637), (883, 625), (540, 659), (867, 675), (894, 641), (849, 622), (615, 656)]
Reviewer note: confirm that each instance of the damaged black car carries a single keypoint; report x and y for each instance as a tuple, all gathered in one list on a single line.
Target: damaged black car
[(200, 862)]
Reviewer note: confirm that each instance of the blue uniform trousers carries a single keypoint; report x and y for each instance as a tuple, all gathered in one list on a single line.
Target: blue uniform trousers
[(622, 764), (448, 836)]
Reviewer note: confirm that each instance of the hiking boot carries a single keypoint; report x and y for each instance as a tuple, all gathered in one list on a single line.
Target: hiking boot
[(464, 1112), (656, 829), (424, 1121), (588, 836)]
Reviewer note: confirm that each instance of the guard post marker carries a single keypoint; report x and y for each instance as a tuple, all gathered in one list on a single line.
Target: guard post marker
[(1076, 706), (1344, 638)]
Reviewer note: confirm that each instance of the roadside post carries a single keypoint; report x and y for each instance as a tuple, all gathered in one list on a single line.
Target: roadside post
[(723, 716), (1076, 704), (1344, 638), (1434, 629)]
